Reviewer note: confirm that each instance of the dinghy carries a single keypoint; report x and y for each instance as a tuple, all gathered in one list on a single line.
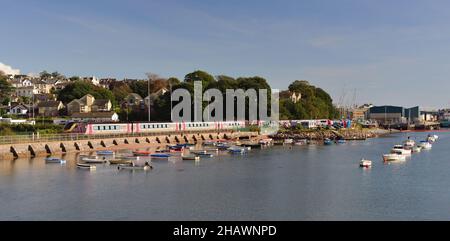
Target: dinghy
[(54, 160)]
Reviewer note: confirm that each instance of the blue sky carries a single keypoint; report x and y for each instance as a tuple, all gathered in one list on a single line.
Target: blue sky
[(384, 52)]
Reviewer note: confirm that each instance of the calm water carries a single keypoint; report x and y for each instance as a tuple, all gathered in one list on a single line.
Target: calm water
[(303, 183)]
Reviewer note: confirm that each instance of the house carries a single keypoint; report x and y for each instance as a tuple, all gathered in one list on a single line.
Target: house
[(82, 105), (42, 86), (43, 97), (50, 108), (18, 109), (101, 105), (27, 91), (153, 96), (94, 80), (109, 116), (87, 104), (296, 97)]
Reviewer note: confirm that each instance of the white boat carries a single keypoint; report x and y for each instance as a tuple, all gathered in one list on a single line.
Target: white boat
[(435, 137), (146, 167), (288, 141), (425, 145), (86, 166), (190, 158), (416, 149), (54, 160), (93, 160), (365, 163), (236, 150), (393, 157), (301, 142), (266, 141), (399, 149), (409, 143)]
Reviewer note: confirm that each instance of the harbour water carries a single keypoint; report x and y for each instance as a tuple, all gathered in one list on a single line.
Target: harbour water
[(313, 182)]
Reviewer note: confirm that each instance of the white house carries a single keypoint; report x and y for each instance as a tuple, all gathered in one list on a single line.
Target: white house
[(18, 110), (109, 116)]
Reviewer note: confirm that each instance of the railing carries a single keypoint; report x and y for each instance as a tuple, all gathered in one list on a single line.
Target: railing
[(33, 138)]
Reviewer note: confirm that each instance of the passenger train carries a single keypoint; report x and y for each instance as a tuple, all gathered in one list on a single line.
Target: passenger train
[(130, 128)]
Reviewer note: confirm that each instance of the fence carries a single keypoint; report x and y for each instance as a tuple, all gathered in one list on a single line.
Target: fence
[(33, 138)]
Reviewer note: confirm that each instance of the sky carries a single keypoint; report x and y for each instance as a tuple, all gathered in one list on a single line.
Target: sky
[(360, 51)]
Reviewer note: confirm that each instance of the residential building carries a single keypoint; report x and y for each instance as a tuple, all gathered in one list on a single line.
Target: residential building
[(18, 109), (50, 108), (153, 96), (26, 91), (94, 80), (82, 105), (101, 105), (109, 116)]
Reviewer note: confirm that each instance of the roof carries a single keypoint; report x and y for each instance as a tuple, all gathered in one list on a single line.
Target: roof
[(105, 114), (52, 103), (100, 102)]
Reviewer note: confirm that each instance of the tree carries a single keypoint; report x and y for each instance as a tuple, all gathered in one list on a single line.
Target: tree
[(173, 81), (45, 75), (74, 78), (120, 90), (200, 75), (5, 89), (79, 89)]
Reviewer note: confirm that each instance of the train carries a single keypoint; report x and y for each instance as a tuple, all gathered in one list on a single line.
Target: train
[(149, 127)]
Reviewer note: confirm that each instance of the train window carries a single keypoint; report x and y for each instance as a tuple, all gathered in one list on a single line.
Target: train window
[(109, 127), (104, 127), (157, 126)]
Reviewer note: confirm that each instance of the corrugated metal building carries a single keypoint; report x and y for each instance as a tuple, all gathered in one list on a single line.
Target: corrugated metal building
[(388, 114)]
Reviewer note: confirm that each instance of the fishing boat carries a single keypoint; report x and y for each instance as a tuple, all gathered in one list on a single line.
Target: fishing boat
[(365, 163), (86, 166), (341, 141), (198, 152), (288, 141), (146, 167), (393, 157), (190, 158), (54, 160), (160, 156), (416, 149), (409, 143), (266, 141), (301, 142), (327, 141), (399, 149), (105, 152), (236, 150), (425, 145), (93, 161), (205, 155), (142, 153), (119, 161)]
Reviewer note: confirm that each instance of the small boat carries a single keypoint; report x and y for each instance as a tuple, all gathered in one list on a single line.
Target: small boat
[(93, 161), (341, 141), (365, 163), (393, 157), (119, 161), (209, 143), (211, 149), (236, 150), (176, 149), (222, 147), (266, 141), (288, 141), (327, 141), (54, 160), (130, 158), (416, 149), (163, 151), (205, 155), (105, 152), (191, 158), (198, 152), (146, 167), (399, 149), (160, 156), (86, 166), (301, 142), (409, 143), (425, 145), (142, 153)]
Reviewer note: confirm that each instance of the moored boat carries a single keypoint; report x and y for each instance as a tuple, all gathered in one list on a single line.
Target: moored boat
[(146, 167), (341, 141), (266, 141), (416, 149), (54, 160), (198, 151), (105, 152), (86, 166), (288, 141), (409, 143), (160, 156), (142, 153), (190, 158), (393, 157), (93, 161), (236, 150), (327, 141), (425, 145), (205, 155), (365, 163), (399, 149), (119, 161), (301, 142)]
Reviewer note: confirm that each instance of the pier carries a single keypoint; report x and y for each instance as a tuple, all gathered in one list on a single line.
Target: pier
[(12, 147)]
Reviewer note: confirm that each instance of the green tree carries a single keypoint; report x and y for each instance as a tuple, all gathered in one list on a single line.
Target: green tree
[(79, 89), (121, 91), (5, 89), (200, 75), (45, 75)]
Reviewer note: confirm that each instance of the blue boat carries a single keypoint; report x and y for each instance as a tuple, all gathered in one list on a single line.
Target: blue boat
[(236, 150), (327, 141), (341, 141), (160, 155), (106, 152)]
